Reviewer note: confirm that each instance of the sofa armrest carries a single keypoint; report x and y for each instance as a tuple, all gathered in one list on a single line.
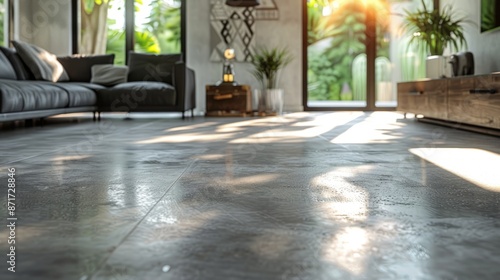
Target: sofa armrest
[(185, 86)]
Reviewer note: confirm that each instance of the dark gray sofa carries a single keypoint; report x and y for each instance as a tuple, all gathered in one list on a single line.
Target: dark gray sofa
[(157, 83), (20, 100)]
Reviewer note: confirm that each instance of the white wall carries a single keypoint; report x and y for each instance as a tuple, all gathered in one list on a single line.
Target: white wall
[(287, 31), (45, 23), (484, 46)]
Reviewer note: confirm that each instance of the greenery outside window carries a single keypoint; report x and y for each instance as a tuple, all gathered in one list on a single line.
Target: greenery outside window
[(355, 53), (3, 19), (156, 24)]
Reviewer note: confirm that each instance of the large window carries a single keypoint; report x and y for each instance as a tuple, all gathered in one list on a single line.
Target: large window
[(106, 26)]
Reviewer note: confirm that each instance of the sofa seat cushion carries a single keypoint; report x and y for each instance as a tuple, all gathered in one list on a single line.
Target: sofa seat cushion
[(132, 95), (18, 96), (78, 95), (91, 86)]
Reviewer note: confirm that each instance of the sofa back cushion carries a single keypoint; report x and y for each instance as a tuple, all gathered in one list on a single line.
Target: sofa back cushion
[(152, 67), (79, 67), (20, 68), (6, 69), (42, 64)]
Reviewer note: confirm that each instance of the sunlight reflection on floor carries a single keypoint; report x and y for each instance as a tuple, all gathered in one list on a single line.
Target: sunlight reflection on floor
[(477, 166)]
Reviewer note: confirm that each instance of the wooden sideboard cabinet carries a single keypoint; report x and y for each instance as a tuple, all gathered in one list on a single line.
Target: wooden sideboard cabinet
[(426, 97), (475, 100), (458, 91), (472, 100)]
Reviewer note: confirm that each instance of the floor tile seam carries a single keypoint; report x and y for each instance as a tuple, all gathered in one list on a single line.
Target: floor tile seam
[(133, 229), (70, 145)]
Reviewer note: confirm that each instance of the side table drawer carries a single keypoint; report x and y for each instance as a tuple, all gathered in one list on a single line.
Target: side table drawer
[(228, 98)]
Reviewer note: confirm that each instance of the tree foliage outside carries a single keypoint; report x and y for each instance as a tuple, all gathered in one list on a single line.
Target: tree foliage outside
[(2, 22), (164, 23), (157, 27), (94, 14), (335, 40)]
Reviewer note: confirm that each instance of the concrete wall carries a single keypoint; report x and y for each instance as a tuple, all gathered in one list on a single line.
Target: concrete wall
[(484, 46), (44, 23), (287, 31)]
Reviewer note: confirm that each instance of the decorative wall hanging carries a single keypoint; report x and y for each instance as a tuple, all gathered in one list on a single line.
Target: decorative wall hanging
[(242, 3), (267, 10), (231, 28)]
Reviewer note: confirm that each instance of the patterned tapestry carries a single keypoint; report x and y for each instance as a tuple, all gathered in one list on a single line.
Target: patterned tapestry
[(231, 27), (267, 10)]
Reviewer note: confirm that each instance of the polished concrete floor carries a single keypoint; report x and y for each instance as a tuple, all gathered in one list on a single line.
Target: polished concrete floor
[(346, 195)]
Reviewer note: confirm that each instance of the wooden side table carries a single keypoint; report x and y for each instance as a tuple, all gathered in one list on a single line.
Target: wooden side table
[(228, 100)]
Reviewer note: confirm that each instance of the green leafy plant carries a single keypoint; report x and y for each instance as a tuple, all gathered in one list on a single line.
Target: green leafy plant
[(267, 62), (435, 29)]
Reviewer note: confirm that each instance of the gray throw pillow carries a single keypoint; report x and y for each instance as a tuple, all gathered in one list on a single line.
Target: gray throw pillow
[(42, 64), (109, 75)]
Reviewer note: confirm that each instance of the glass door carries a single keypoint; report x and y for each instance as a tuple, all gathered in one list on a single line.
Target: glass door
[(336, 54), (357, 52)]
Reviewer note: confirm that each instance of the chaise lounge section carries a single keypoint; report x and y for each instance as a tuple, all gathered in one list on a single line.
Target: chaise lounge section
[(155, 83)]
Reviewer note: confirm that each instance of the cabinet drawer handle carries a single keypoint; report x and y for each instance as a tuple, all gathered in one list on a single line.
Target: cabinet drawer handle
[(223, 96), (483, 91), (416, 93)]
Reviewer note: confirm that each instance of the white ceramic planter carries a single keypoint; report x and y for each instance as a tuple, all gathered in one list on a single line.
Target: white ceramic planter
[(269, 101), (437, 67), (274, 100)]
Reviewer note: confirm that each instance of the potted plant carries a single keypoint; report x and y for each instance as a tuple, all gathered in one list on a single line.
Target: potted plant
[(267, 63), (435, 30)]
